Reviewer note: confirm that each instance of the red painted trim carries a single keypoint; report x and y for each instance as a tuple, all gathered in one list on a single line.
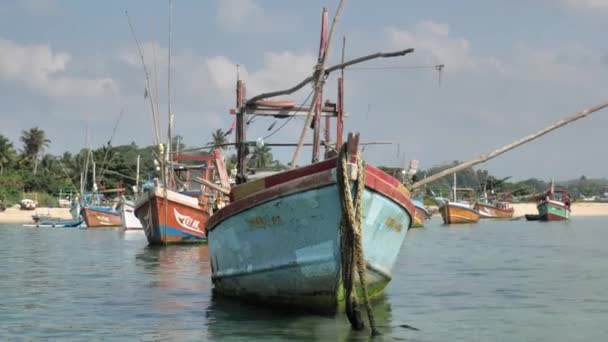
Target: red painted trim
[(382, 175), (291, 182), (304, 183), (553, 217), (299, 172), (388, 187)]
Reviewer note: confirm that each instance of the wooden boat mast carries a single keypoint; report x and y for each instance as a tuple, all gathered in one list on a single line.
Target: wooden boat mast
[(254, 104), (506, 148)]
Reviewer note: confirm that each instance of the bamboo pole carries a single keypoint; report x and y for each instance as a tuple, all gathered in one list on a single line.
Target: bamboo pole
[(320, 78), (497, 152)]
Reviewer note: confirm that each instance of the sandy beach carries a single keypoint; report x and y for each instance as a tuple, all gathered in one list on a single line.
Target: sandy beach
[(578, 209), (16, 215)]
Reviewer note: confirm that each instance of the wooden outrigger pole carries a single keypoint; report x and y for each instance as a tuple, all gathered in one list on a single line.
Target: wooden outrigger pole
[(497, 152)]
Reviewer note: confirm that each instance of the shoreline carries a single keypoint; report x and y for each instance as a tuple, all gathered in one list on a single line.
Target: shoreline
[(16, 215), (578, 209)]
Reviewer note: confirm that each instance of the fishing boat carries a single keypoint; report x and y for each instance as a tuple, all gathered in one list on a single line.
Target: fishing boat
[(421, 214), (494, 209), (279, 241), (290, 239), (553, 206), (127, 215), (458, 211), (28, 204), (55, 223), (180, 215), (97, 216)]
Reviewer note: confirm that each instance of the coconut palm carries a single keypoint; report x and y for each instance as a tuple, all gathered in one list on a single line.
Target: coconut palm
[(219, 139), (7, 153), (261, 157), (34, 143)]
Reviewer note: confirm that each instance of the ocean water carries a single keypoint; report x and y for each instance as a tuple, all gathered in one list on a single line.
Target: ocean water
[(492, 281)]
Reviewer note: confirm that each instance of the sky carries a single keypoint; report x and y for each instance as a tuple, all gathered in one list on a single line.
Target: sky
[(512, 67)]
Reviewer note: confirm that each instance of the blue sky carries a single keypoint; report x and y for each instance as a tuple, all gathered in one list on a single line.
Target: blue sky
[(511, 67)]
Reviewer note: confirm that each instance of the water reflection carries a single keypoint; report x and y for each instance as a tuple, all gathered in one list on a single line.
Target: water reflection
[(228, 319)]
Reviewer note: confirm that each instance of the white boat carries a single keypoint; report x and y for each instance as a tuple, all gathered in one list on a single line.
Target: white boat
[(127, 215)]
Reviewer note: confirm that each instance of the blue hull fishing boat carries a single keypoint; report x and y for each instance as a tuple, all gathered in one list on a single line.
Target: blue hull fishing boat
[(57, 223), (281, 245), (316, 237)]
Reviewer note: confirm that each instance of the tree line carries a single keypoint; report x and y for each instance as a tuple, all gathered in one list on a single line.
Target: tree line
[(25, 167)]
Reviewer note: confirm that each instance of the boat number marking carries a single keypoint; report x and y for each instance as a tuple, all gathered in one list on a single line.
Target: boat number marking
[(261, 221), (393, 224)]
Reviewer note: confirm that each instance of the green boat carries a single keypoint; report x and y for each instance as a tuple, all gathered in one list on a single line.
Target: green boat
[(554, 206), (552, 210)]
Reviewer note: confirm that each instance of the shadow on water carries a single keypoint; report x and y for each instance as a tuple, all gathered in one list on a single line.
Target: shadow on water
[(228, 319)]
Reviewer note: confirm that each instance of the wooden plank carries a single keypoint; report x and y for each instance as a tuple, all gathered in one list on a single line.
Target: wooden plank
[(220, 166), (212, 185)]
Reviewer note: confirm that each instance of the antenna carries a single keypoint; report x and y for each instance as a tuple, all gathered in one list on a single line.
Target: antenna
[(439, 68)]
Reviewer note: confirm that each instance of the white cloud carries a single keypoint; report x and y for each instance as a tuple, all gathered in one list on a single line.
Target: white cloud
[(235, 15), (280, 70), (434, 45), (42, 70)]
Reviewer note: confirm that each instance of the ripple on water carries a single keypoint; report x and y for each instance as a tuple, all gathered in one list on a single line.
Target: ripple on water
[(495, 281)]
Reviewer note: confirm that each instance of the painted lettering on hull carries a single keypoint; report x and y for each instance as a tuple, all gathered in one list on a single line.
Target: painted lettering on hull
[(186, 221), (262, 221)]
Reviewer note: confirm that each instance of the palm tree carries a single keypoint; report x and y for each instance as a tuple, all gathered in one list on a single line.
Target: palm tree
[(34, 142), (219, 139), (261, 157), (7, 153)]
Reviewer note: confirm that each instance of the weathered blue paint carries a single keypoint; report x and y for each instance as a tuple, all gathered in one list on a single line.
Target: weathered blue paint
[(286, 251), (172, 234)]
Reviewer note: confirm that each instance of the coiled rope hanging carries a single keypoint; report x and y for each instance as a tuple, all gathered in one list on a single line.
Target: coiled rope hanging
[(351, 240)]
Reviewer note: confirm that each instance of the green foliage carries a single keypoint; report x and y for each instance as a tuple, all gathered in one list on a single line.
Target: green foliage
[(11, 185), (34, 143), (219, 139), (46, 176)]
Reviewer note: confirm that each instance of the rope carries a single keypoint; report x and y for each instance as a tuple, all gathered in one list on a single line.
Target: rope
[(351, 241)]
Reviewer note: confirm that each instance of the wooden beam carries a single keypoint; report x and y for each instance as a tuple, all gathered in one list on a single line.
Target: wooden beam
[(212, 185), (497, 152)]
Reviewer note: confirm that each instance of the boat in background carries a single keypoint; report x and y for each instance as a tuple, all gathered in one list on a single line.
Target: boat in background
[(56, 223), (100, 217), (127, 215), (498, 207), (28, 204), (421, 214), (553, 206), (172, 216), (458, 211)]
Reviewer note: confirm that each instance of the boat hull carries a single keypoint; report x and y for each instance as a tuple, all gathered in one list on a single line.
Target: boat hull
[(176, 218), (421, 214), (284, 249), (97, 218), (490, 211), (128, 218), (56, 224), (553, 211), (453, 214)]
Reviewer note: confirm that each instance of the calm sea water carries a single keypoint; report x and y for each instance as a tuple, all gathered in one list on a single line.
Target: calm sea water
[(493, 281)]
